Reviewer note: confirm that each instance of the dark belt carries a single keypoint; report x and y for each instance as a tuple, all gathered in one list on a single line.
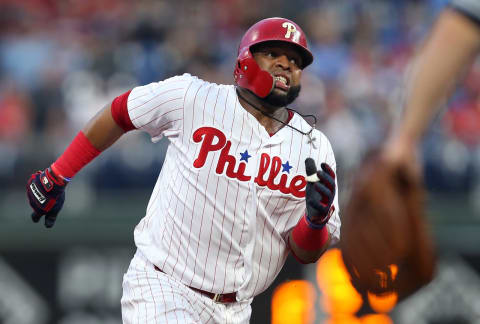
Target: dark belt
[(218, 298)]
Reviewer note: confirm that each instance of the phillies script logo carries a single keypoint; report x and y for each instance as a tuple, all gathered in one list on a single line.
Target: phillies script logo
[(214, 140)]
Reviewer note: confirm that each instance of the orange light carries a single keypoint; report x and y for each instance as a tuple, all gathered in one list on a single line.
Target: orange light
[(394, 271), (342, 319), (376, 319), (382, 303), (293, 303), (385, 302), (339, 296)]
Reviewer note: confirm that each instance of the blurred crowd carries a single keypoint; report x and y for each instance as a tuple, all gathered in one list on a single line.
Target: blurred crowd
[(62, 61)]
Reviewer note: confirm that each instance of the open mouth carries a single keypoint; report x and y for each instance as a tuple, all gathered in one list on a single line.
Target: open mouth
[(282, 82)]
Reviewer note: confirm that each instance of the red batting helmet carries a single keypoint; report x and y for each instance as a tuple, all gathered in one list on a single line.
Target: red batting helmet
[(247, 73)]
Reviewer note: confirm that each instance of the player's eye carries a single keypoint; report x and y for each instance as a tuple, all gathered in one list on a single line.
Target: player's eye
[(271, 54), (295, 61)]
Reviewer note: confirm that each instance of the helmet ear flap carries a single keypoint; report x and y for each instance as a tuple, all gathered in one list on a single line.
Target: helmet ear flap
[(249, 75)]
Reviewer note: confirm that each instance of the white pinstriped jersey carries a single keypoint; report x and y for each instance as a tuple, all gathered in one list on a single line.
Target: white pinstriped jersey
[(228, 192)]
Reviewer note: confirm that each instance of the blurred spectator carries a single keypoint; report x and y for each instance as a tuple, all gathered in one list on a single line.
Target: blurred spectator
[(463, 119), (15, 126), (66, 59)]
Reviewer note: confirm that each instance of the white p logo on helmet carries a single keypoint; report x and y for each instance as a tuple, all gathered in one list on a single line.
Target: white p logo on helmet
[(291, 32)]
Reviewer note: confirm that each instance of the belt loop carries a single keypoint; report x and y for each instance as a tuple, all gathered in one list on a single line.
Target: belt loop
[(217, 298)]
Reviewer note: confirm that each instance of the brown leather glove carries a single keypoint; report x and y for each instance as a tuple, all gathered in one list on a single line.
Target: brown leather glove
[(385, 242)]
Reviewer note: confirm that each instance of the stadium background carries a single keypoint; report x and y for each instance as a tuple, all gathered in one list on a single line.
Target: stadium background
[(61, 61)]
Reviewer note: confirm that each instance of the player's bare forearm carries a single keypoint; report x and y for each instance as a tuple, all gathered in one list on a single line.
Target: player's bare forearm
[(447, 53), (102, 130), (46, 189), (306, 256)]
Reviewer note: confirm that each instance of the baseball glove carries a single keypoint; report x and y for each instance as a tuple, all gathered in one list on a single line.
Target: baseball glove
[(386, 245)]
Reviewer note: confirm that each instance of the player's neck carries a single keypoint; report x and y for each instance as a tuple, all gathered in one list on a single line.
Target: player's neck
[(252, 104)]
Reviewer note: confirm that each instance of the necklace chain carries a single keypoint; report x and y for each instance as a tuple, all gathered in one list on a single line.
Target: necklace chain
[(309, 133)]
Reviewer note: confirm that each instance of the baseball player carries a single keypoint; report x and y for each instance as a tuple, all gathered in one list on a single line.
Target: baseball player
[(451, 47), (239, 188)]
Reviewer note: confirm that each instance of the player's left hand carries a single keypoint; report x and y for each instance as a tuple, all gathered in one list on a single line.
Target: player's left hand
[(46, 195), (320, 194)]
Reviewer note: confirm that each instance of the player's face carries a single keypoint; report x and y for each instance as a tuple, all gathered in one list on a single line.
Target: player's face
[(284, 63)]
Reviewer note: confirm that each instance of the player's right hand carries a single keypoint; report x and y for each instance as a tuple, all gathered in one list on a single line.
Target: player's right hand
[(46, 195)]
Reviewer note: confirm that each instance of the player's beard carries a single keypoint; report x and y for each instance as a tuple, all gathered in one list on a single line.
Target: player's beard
[(276, 99)]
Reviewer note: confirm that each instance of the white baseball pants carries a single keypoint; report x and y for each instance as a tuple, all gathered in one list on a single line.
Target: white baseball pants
[(151, 296)]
